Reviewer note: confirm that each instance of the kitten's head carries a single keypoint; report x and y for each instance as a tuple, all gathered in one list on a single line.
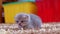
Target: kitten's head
[(22, 19)]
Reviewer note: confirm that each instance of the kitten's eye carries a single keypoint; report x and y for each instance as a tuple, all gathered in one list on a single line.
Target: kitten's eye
[(17, 21)]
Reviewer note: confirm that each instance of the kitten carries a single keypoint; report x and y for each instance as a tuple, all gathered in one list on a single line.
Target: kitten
[(28, 21)]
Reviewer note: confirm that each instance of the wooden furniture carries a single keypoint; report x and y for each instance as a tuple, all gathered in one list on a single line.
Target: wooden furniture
[(1, 11), (1, 8)]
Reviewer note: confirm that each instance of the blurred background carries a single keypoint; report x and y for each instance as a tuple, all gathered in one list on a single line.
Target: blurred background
[(48, 10)]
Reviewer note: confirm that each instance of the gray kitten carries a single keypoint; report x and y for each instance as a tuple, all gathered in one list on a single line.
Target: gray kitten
[(28, 21)]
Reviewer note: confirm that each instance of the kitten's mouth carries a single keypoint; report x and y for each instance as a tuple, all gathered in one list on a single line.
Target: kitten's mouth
[(21, 24)]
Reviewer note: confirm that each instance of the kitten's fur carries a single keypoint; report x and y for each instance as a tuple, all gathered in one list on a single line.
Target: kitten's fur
[(28, 21)]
